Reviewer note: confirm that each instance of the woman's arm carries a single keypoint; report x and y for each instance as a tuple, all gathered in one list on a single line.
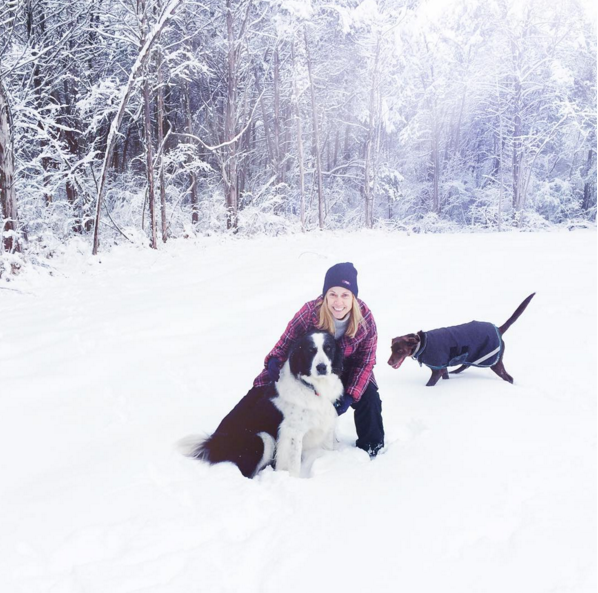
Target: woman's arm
[(302, 321), (362, 362)]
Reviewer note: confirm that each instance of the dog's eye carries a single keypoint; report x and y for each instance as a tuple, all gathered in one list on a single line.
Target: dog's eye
[(327, 349)]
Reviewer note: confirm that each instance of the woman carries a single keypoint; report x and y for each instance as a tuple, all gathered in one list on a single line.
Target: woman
[(340, 312)]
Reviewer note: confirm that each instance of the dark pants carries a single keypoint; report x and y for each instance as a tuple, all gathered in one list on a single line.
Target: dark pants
[(368, 421)]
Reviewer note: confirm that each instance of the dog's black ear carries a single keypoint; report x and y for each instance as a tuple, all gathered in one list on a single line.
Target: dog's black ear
[(337, 360), (295, 356), (299, 354)]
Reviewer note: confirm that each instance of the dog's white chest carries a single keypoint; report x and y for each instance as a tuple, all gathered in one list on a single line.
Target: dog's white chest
[(318, 417), (305, 411), (308, 423)]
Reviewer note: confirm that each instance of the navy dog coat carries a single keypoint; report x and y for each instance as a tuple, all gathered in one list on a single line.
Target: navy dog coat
[(476, 343)]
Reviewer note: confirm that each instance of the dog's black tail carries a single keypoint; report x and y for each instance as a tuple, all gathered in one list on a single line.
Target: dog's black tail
[(505, 326), (213, 449), (195, 446), (250, 452)]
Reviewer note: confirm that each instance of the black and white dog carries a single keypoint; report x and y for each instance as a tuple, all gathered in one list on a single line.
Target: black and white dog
[(279, 422)]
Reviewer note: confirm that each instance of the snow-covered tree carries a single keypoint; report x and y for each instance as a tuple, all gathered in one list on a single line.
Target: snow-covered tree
[(157, 117)]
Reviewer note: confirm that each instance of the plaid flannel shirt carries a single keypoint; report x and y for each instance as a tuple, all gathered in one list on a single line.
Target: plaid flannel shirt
[(359, 352)]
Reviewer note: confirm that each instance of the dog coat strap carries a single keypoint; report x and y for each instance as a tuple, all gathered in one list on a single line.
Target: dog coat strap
[(416, 351), (420, 347), (489, 355)]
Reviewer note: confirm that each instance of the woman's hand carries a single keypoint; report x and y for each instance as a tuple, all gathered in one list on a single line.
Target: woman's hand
[(341, 405), (273, 367)]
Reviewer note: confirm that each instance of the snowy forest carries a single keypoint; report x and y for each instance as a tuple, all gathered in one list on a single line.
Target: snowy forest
[(150, 119)]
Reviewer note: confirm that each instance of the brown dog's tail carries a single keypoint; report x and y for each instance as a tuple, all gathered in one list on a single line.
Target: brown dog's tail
[(505, 326)]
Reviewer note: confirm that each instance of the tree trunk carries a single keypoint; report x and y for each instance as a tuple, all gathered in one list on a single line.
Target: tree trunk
[(8, 198), (589, 186), (147, 133), (314, 110), (161, 148), (500, 164), (149, 153), (517, 156), (192, 174), (368, 182), (435, 167), (267, 133), (277, 149), (299, 141), (36, 19), (336, 148), (72, 141), (230, 151)]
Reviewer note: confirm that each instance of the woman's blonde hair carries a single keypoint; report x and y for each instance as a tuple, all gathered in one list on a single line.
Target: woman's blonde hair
[(326, 321)]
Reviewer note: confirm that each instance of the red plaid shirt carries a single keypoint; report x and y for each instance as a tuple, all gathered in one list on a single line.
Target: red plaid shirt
[(359, 352)]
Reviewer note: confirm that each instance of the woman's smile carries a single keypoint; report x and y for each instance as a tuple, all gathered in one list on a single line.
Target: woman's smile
[(339, 301)]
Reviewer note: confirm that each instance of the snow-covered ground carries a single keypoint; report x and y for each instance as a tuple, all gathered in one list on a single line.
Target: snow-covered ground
[(483, 486)]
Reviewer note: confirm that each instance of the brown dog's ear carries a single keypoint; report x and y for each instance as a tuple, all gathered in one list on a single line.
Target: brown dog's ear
[(410, 339), (406, 338)]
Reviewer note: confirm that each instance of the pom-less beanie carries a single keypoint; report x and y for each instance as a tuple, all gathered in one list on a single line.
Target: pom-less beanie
[(344, 275)]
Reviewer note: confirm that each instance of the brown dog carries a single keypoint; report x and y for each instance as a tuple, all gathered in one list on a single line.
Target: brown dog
[(475, 343)]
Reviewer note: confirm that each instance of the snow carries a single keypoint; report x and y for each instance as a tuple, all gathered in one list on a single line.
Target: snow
[(483, 486)]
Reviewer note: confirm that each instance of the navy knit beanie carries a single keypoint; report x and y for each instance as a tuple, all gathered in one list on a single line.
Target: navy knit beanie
[(344, 275)]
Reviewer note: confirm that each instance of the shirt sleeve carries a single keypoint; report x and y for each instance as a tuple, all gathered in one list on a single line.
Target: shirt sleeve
[(301, 323), (360, 371)]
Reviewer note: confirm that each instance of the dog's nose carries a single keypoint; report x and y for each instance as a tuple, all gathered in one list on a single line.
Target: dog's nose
[(321, 368)]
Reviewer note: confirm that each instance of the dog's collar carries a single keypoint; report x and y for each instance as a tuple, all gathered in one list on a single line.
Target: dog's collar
[(309, 385), (420, 346)]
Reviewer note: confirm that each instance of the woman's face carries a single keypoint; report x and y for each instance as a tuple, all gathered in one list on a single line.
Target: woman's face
[(339, 301)]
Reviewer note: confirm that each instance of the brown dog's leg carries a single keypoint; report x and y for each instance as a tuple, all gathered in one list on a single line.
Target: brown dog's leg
[(460, 369), (435, 377), (445, 374), (499, 369)]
